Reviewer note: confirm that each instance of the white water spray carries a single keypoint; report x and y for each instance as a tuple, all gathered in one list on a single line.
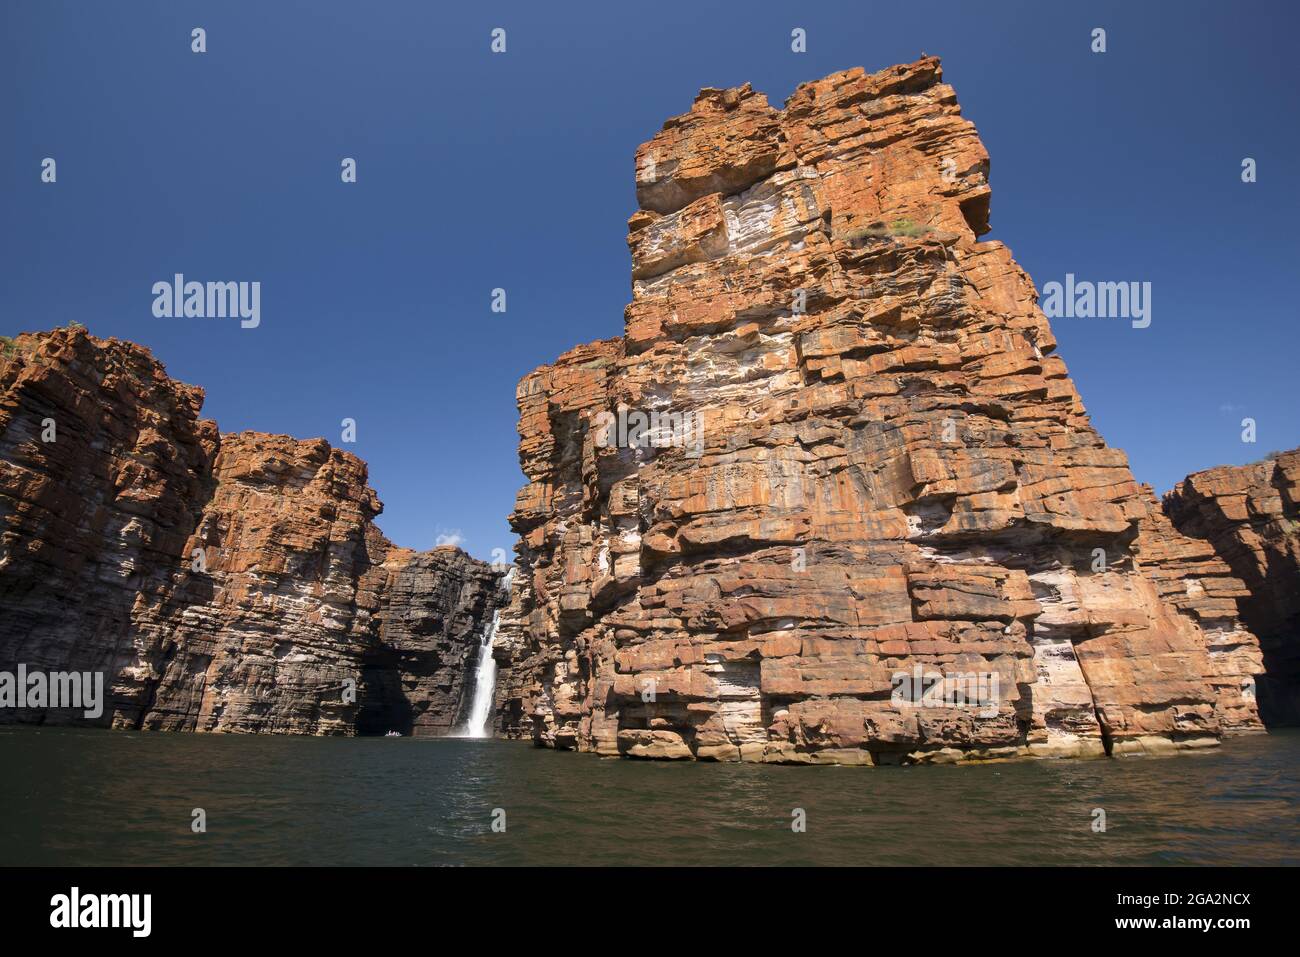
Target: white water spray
[(479, 724), (485, 684)]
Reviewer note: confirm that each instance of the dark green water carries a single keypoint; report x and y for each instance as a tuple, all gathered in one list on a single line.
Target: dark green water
[(98, 797)]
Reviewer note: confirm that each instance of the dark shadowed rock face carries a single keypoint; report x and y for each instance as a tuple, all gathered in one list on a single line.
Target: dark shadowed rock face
[(435, 605), (869, 464), (221, 582), (1250, 515)]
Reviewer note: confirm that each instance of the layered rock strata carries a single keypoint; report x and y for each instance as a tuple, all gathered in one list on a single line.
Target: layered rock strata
[(832, 476), (220, 582), (1250, 516)]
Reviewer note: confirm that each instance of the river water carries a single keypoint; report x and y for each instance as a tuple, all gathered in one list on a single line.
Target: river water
[(78, 797)]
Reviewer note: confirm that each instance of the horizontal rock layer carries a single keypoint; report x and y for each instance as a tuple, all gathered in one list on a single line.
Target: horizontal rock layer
[(832, 449), (1250, 515), (220, 582)]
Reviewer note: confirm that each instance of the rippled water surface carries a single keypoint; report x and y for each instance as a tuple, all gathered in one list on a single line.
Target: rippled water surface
[(98, 797)]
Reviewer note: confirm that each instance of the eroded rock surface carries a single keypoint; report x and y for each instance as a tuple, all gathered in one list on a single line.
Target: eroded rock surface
[(867, 463), (221, 582), (1250, 516)]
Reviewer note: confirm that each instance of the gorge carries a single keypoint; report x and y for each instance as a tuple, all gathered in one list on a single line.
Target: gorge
[(886, 471), (229, 582)]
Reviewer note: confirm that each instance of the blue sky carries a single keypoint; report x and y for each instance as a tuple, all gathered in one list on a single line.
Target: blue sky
[(478, 171)]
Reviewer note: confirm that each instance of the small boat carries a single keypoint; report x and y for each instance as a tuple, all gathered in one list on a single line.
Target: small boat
[(393, 734)]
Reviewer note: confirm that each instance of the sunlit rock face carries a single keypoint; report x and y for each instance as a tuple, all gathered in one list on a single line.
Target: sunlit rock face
[(833, 450), (220, 582), (1250, 515)]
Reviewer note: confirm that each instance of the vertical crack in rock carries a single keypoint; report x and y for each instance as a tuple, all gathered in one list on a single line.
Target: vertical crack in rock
[(221, 582), (875, 466)]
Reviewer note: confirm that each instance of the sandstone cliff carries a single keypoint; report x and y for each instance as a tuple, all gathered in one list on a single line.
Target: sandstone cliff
[(862, 461), (1250, 515), (221, 582)]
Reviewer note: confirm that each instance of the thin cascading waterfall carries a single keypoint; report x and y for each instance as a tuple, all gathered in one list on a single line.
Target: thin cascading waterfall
[(479, 724), (485, 684)]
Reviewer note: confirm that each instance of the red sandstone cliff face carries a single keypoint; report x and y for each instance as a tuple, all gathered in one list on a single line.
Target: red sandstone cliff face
[(95, 521), (268, 635), (871, 463), (1250, 516), (221, 582)]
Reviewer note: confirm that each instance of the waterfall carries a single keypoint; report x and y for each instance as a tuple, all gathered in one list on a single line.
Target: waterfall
[(479, 724), (485, 684)]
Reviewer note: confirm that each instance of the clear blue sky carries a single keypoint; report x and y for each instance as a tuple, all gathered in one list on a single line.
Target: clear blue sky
[(479, 171)]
